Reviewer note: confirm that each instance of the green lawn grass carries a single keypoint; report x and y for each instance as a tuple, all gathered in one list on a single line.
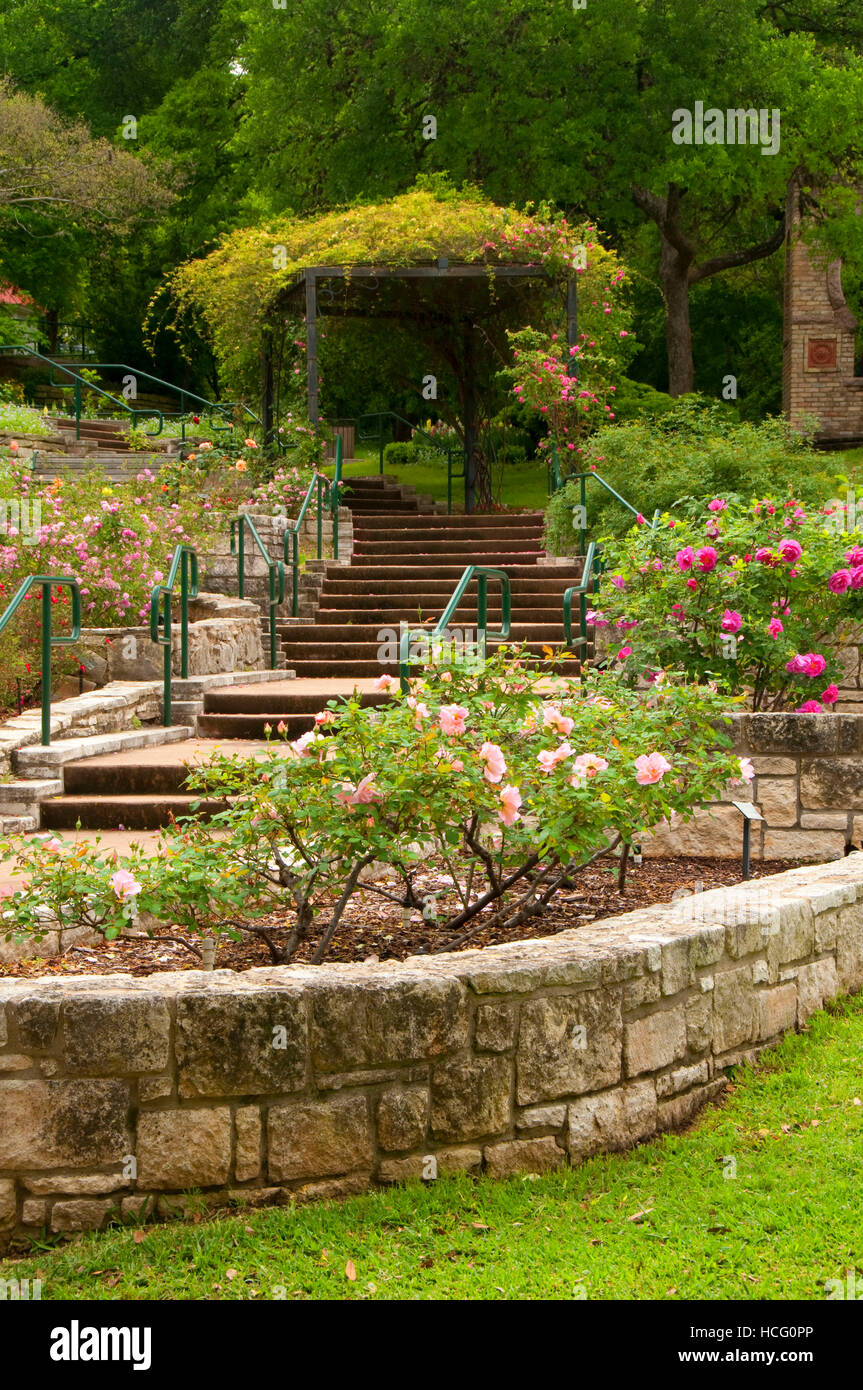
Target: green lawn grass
[(666, 1221)]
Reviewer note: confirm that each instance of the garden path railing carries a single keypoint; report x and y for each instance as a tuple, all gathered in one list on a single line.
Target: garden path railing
[(378, 436), (482, 574), (275, 573), (47, 582), (329, 488), (184, 563)]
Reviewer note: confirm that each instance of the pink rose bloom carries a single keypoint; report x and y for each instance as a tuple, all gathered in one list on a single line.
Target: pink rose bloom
[(651, 768), (764, 555), (54, 845), (706, 558), (596, 618), (618, 581), (857, 577), (494, 760), (692, 583), (717, 505), (685, 558), (774, 627), (839, 581), (797, 665), (452, 718), (387, 683), (678, 610), (854, 556), (731, 621), (325, 716), (361, 795), (790, 551), (553, 719), (830, 695), (624, 653), (809, 707), (589, 764), (510, 800), (747, 771), (814, 664), (124, 885), (549, 758)]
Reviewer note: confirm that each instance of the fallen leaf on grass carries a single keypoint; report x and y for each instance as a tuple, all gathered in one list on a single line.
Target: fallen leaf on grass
[(230, 1274), (138, 1236), (478, 1226), (350, 1271), (639, 1215)]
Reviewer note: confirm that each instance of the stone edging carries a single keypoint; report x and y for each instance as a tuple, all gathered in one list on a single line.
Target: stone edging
[(291, 1083)]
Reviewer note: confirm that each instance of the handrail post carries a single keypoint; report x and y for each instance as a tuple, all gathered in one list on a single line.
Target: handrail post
[(184, 616), (481, 613), (449, 482), (46, 665), (582, 530), (241, 558), (77, 399), (166, 661), (295, 569), (320, 497), (335, 495)]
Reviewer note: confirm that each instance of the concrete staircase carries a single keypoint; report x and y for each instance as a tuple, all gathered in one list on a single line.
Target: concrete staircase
[(101, 444)]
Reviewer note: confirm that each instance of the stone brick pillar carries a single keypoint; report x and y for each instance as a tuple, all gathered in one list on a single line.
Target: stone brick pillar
[(818, 349)]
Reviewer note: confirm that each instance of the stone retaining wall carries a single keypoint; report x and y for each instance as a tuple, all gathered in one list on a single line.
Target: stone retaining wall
[(118, 1095), (224, 635), (809, 789)]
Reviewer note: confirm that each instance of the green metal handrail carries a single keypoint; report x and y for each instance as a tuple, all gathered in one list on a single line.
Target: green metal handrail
[(79, 385), (580, 591), (223, 407), (47, 582), (449, 450), (275, 572), (482, 574), (324, 487), (186, 562)]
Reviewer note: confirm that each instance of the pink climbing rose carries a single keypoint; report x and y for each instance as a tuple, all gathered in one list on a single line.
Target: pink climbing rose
[(387, 683), (774, 627), (553, 719), (651, 768), (830, 695), (717, 505), (747, 771), (589, 764), (124, 885), (685, 558), (809, 707), (790, 551), (706, 558), (549, 758), (510, 800), (452, 719), (839, 581), (495, 763), (731, 621)]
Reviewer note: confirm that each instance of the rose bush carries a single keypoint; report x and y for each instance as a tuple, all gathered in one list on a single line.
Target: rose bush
[(756, 597), (510, 780)]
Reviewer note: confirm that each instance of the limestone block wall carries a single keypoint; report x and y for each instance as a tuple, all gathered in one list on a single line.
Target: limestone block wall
[(808, 787), (224, 635), (118, 1095)]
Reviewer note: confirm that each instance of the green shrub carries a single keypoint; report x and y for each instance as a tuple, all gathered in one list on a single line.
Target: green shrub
[(635, 400), (675, 461)]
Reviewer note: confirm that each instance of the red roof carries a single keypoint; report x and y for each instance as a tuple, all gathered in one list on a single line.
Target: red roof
[(9, 294)]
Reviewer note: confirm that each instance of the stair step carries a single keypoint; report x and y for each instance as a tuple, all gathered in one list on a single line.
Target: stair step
[(123, 811)]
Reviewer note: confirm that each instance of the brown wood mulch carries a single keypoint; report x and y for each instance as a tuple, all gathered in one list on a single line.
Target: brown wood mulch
[(373, 929)]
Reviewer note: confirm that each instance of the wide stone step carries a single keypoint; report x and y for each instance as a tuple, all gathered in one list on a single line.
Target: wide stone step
[(122, 812), (285, 707), (474, 521), (361, 577), (433, 607), (299, 639)]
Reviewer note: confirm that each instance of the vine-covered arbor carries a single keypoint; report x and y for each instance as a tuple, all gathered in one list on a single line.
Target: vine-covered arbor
[(454, 269)]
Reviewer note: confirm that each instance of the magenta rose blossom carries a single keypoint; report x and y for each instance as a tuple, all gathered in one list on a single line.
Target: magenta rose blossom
[(854, 556), (685, 558), (731, 621), (839, 581), (809, 707), (808, 664), (717, 505), (830, 695), (774, 627), (790, 551), (706, 558), (764, 555), (857, 577)]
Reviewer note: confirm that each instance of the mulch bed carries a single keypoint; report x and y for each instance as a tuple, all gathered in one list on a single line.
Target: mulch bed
[(373, 929)]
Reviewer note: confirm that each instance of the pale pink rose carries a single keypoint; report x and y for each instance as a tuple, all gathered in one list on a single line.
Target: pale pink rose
[(53, 845), (349, 795), (510, 800), (494, 760), (387, 683), (553, 719), (590, 763), (124, 885), (452, 719), (747, 771), (325, 716), (651, 768), (549, 758)]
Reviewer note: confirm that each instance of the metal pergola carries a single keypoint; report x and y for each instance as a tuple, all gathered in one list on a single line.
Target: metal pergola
[(311, 278)]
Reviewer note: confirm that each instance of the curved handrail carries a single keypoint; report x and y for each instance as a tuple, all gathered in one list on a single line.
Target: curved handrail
[(224, 407), (47, 581), (275, 572), (482, 574), (579, 591), (186, 561), (292, 533)]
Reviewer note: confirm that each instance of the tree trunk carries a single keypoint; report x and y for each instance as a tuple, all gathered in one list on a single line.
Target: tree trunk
[(674, 273)]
